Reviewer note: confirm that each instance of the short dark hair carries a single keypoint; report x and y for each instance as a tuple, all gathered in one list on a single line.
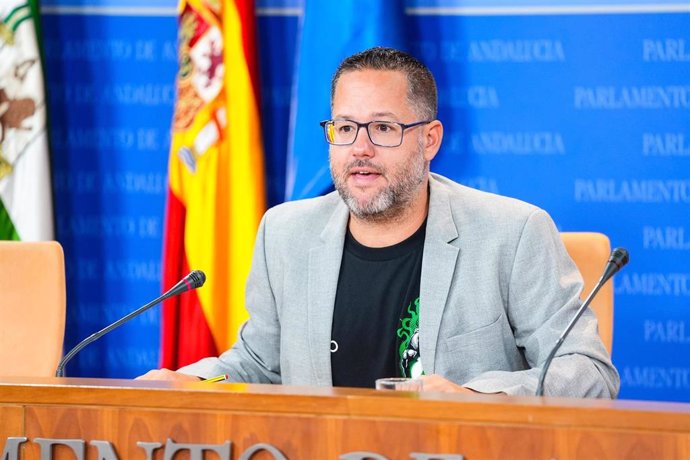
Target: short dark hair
[(421, 86)]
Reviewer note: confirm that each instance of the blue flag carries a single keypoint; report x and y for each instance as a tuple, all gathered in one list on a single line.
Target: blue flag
[(330, 32)]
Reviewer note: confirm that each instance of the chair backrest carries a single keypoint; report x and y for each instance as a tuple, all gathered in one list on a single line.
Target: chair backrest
[(32, 307), (591, 251)]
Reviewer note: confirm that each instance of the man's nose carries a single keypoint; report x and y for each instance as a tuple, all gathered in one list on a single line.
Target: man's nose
[(362, 144)]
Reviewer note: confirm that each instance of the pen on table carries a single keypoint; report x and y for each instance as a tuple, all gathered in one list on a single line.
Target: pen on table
[(218, 378)]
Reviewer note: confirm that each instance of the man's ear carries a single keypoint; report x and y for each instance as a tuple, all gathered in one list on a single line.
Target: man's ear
[(433, 136)]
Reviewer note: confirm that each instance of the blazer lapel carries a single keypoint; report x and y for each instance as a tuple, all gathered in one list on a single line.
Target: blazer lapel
[(438, 267), (324, 268)]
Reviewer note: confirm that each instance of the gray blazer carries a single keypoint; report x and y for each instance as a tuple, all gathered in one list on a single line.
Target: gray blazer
[(497, 289)]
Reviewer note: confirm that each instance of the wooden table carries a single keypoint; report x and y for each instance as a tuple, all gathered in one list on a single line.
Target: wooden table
[(113, 416)]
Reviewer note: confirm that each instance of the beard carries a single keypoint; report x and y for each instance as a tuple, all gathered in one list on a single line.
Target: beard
[(391, 201)]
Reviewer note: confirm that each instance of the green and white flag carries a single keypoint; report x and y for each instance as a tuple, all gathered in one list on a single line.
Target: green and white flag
[(26, 208)]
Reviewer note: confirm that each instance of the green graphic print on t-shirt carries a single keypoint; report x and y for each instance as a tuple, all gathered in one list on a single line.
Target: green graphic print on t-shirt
[(408, 348)]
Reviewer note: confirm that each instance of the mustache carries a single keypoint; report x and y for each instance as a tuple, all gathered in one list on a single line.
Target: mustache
[(359, 163)]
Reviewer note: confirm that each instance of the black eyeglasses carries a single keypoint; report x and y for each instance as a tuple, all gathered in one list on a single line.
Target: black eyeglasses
[(381, 133)]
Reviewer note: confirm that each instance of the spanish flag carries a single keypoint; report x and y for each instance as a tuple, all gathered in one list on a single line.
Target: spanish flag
[(216, 178)]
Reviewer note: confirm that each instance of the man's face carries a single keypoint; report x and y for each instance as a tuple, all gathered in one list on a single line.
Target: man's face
[(377, 182)]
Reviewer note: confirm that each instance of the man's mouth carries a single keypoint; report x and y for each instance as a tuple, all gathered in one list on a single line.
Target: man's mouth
[(364, 171)]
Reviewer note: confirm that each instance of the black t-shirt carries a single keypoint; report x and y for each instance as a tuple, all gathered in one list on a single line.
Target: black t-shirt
[(375, 320)]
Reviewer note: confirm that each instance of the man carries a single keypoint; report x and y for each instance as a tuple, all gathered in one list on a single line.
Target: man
[(403, 272)]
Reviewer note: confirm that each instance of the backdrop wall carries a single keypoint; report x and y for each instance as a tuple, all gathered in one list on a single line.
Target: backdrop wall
[(583, 110)]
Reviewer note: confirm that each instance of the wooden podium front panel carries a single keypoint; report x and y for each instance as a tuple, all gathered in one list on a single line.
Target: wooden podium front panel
[(626, 444), (397, 439), (11, 421), (310, 437), (123, 428), (299, 437)]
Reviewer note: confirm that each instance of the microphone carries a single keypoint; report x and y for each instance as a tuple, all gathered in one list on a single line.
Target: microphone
[(193, 280), (617, 260)]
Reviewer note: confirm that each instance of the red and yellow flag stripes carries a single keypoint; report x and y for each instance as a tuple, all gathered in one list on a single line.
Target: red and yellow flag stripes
[(216, 178)]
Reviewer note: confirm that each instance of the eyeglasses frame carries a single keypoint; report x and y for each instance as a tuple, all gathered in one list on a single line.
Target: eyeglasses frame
[(404, 126)]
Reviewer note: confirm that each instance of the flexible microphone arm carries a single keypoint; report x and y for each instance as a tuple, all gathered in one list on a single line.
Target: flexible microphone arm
[(619, 257), (192, 281)]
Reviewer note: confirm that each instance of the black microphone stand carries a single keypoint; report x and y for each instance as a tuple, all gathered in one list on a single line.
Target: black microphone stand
[(619, 257), (197, 279), (580, 311)]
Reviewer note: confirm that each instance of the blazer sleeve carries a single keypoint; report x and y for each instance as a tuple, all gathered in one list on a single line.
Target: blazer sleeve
[(543, 297), (255, 357)]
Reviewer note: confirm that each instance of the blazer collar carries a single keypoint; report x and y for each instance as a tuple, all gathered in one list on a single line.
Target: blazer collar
[(324, 267), (438, 268)]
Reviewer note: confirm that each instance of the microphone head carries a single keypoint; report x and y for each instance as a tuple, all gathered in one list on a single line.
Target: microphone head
[(197, 278), (620, 257)]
